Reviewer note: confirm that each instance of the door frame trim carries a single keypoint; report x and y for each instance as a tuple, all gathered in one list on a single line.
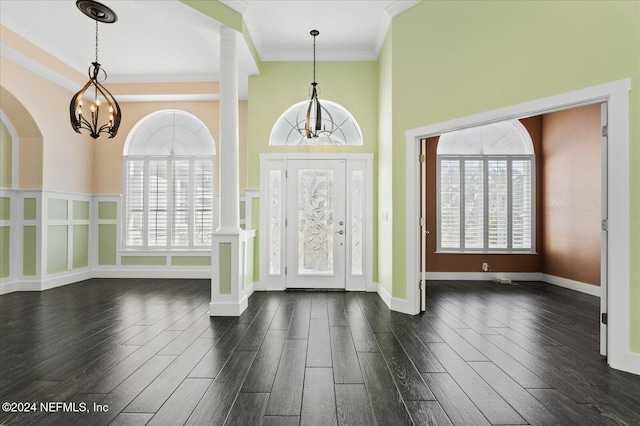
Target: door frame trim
[(616, 94), (278, 282)]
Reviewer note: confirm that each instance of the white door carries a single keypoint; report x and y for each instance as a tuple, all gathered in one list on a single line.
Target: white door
[(316, 224)]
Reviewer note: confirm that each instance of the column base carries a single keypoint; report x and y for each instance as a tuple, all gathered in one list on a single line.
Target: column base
[(228, 309)]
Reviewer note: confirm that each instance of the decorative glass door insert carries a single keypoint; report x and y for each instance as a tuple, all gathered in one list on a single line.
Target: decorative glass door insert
[(316, 244)]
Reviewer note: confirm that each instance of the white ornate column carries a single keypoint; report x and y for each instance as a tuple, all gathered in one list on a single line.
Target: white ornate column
[(228, 297)]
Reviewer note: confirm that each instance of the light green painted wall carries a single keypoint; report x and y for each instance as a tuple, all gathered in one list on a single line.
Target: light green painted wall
[(107, 210), (5, 208), (6, 156), (29, 254), (57, 209), (354, 85), (143, 260), (385, 166), (5, 251), (255, 224), (248, 279), (453, 59), (80, 210), (224, 274), (57, 249), (30, 212), (191, 260), (107, 240), (80, 246)]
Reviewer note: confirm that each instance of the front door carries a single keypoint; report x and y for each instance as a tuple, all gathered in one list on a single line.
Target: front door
[(316, 224)]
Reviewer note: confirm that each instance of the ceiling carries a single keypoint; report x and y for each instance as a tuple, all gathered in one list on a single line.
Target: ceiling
[(168, 41)]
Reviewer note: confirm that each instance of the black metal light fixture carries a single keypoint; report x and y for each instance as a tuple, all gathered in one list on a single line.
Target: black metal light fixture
[(99, 94), (313, 124)]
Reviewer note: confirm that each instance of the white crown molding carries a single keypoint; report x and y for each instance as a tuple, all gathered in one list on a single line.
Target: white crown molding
[(239, 6), (169, 98), (37, 68), (398, 6), (363, 55)]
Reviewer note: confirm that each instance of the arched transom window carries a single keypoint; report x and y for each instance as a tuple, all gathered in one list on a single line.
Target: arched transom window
[(168, 183), (486, 189), (339, 126)]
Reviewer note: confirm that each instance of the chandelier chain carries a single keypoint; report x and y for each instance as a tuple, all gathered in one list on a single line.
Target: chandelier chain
[(314, 58), (96, 41)]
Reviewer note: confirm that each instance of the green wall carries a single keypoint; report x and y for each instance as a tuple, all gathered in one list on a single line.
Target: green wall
[(224, 274), (107, 241), (80, 246), (354, 85), (57, 249), (453, 59), (29, 255), (57, 209), (5, 251), (30, 212), (6, 156), (5, 208)]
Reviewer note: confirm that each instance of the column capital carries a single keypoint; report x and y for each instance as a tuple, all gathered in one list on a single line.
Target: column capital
[(227, 33)]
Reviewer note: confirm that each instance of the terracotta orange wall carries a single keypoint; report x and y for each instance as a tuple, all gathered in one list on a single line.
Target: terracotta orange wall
[(572, 194), (107, 161), (440, 262)]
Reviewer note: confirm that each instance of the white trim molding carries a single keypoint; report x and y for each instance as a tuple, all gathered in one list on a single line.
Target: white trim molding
[(616, 94), (397, 305), (581, 287)]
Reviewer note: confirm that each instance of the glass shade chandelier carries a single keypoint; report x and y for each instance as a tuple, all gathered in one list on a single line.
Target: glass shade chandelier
[(99, 97), (314, 126)]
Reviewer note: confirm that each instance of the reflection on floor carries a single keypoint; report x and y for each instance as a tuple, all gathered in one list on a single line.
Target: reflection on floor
[(148, 351)]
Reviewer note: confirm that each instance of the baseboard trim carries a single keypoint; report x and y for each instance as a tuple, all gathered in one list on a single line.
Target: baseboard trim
[(152, 273), (397, 305), (481, 276), (228, 309), (581, 287), (65, 279), (13, 286), (593, 290)]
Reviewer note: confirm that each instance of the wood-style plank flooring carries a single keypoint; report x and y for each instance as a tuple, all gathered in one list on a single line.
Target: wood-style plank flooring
[(136, 352)]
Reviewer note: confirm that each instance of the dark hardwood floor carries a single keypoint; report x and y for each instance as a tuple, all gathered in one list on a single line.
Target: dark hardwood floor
[(136, 352)]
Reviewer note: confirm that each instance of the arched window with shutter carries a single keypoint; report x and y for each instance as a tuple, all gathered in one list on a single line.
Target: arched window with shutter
[(486, 190), (168, 181)]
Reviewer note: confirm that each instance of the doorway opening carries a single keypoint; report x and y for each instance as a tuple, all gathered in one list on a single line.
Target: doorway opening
[(616, 95)]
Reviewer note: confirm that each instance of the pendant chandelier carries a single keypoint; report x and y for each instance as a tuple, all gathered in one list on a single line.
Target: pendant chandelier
[(98, 95), (314, 127)]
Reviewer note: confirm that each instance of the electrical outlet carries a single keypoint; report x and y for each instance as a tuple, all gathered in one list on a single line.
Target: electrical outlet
[(485, 267)]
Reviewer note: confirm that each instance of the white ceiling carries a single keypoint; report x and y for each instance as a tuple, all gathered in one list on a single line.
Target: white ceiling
[(168, 41)]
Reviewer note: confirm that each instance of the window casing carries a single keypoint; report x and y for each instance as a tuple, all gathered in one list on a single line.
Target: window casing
[(168, 202)]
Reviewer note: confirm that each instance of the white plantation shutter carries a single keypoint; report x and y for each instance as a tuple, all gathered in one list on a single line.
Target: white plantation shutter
[(473, 204), (522, 206), (450, 203), (181, 208), (134, 190), (158, 200), (203, 212), (498, 195), (486, 190)]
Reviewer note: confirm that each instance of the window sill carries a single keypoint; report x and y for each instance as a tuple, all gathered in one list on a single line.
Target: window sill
[(486, 252), (165, 252)]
